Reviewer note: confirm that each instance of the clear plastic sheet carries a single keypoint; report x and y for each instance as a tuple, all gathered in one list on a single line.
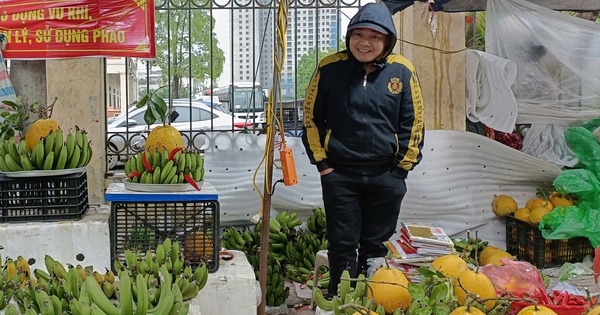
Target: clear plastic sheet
[(558, 62)]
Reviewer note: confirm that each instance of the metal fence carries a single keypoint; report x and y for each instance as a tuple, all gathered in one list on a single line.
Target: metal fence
[(201, 42)]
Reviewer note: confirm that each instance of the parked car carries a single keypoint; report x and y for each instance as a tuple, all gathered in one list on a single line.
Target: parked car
[(127, 133)]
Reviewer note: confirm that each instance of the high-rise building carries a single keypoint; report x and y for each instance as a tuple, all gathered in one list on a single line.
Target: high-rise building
[(254, 36)]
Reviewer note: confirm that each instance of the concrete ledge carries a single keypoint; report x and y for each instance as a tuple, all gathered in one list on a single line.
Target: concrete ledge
[(63, 240), (232, 289)]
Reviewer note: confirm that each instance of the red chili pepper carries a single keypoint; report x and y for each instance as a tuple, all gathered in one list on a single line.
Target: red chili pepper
[(173, 152), (557, 299), (134, 174), (565, 301), (191, 180), (146, 163)]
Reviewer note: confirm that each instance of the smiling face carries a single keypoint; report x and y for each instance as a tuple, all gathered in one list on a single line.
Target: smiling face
[(366, 44)]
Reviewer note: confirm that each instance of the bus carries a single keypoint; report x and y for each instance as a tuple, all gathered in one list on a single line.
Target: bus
[(245, 100)]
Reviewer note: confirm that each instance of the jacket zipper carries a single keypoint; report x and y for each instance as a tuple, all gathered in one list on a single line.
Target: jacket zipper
[(365, 81)]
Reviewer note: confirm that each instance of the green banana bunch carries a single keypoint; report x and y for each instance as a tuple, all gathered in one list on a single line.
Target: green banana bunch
[(317, 222), (165, 167), (288, 221), (232, 239)]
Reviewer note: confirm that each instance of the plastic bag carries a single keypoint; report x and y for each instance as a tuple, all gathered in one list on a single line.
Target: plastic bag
[(584, 218), (520, 278)]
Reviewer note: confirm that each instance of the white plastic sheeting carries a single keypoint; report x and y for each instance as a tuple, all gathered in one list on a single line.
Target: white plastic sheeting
[(453, 186), (489, 97), (558, 61)]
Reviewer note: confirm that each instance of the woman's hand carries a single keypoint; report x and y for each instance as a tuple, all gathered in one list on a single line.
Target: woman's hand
[(326, 171)]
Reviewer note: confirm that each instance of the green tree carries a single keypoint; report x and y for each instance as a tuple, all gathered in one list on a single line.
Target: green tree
[(306, 68), (187, 47)]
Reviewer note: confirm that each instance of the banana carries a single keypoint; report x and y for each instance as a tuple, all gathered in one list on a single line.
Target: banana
[(49, 263), (201, 276), (109, 276), (156, 159), (62, 158), (181, 161), (59, 270), (22, 147), (41, 274), (12, 164), (165, 303), (70, 144), (37, 155), (192, 162), (75, 157), (85, 152), (172, 173), (139, 163), (125, 295), (190, 291), (11, 148), (58, 140), (49, 161), (133, 164), (81, 272), (156, 176), (72, 289), (360, 289), (142, 299), (44, 302), (97, 295), (3, 166), (108, 289), (167, 172), (78, 136), (11, 309), (49, 143), (175, 250), (344, 285), (98, 277)]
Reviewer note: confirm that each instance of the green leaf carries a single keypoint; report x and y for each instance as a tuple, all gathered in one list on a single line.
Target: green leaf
[(143, 101), (416, 291), (439, 292), (160, 107), (426, 310), (149, 117), (441, 308), (426, 272)]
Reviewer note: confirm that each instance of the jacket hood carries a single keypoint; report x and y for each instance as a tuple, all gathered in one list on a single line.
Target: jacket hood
[(380, 17)]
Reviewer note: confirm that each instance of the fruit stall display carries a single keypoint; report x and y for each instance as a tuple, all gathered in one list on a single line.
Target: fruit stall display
[(154, 282)]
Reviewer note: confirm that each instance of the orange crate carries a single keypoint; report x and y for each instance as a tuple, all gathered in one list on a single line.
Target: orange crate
[(525, 241)]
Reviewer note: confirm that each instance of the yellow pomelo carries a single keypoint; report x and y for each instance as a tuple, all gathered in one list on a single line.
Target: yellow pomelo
[(595, 311), (39, 129), (475, 283), (450, 265), (523, 214), (485, 253), (494, 258), (537, 202), (467, 310), (389, 287), (164, 137), (503, 205), (199, 246), (536, 310), (560, 200), (536, 214)]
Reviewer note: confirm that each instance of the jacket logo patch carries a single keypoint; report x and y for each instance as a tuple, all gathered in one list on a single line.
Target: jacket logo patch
[(395, 86)]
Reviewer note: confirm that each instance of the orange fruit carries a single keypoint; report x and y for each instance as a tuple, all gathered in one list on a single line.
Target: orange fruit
[(523, 214), (536, 214), (536, 310), (503, 205), (537, 202)]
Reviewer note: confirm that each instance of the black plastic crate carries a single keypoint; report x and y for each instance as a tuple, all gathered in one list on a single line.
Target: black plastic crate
[(43, 198), (525, 241), (141, 226)]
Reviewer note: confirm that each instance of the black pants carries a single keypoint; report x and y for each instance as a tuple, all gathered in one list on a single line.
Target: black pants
[(362, 213)]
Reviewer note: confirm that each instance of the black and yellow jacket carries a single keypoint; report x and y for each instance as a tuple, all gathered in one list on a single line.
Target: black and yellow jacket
[(365, 124)]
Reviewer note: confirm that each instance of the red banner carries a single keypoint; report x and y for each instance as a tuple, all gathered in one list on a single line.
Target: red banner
[(77, 28)]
